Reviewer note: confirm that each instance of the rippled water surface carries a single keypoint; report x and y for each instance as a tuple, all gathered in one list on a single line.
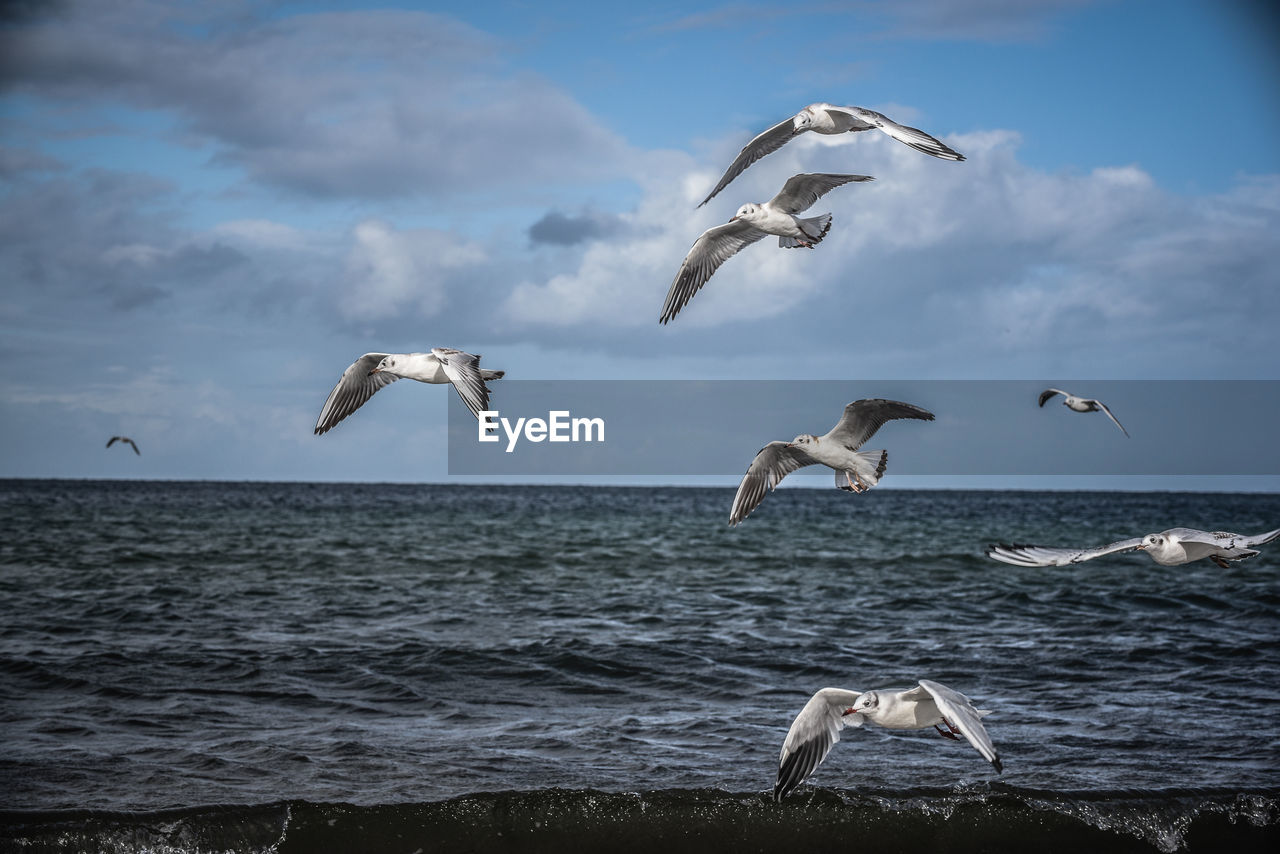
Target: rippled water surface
[(169, 645)]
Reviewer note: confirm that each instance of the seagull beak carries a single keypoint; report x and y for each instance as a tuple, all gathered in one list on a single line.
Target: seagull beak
[(733, 218), (375, 371), (848, 711), (1142, 548)]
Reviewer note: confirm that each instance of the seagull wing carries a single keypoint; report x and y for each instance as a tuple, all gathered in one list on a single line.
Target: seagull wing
[(914, 137), (863, 418), (716, 245), (133, 445), (802, 190), (813, 733), (1103, 407), (961, 714), (463, 371), (1224, 540), (775, 461), (112, 441), (1050, 392), (354, 387), (1025, 555), (1260, 539), (766, 143)]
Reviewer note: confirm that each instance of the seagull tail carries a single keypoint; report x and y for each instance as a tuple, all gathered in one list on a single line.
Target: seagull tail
[(867, 470), (815, 228)]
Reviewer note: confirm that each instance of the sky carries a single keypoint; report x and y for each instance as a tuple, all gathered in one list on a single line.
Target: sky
[(209, 210)]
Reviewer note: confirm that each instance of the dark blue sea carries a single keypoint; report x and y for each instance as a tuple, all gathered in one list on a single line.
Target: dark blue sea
[(255, 667)]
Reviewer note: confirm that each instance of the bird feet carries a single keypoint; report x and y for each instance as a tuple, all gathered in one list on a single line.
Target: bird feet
[(950, 732), (855, 484), (1219, 561)]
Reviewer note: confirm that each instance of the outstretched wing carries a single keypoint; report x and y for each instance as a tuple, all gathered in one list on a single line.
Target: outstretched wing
[(354, 387), (802, 190), (1259, 539), (914, 137), (1103, 407), (1026, 555), (813, 733), (766, 143), (961, 714), (863, 418), (1050, 392), (463, 371), (715, 246), (1222, 539), (775, 461)]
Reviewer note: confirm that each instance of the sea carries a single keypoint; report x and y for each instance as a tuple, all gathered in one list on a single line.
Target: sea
[(280, 667)]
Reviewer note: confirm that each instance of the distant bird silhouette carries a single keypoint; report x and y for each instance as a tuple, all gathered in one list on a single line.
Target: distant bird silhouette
[(1080, 404), (126, 439)]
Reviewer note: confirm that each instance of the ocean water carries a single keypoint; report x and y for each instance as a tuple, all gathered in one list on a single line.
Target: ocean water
[(342, 667)]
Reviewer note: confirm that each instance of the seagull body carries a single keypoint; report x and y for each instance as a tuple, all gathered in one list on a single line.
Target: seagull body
[(126, 440), (1080, 404), (855, 471), (829, 119), (373, 371), (1173, 547), (754, 222), (817, 728)]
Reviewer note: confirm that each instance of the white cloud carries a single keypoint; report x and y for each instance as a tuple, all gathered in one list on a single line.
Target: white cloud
[(390, 269), (362, 104)]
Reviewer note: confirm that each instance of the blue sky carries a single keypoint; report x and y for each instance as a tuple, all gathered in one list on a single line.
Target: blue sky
[(207, 211)]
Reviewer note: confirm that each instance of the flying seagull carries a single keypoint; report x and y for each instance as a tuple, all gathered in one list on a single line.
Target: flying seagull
[(126, 440), (817, 728), (829, 119), (751, 223), (856, 471), (1173, 547), (372, 371), (1080, 404)]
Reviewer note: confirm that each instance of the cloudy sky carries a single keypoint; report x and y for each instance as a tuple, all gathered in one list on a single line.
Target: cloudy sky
[(207, 211)]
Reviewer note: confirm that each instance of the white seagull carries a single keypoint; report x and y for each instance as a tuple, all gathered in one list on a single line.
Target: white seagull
[(751, 223), (829, 119), (372, 371), (817, 728), (856, 471), (1080, 404), (126, 440), (1173, 547)]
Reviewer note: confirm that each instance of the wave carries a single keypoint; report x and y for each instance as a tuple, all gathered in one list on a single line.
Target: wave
[(703, 820)]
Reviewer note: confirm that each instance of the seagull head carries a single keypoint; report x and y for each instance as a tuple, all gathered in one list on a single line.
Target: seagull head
[(747, 212), (805, 439), (865, 704), (1153, 542), (386, 364), (802, 121)]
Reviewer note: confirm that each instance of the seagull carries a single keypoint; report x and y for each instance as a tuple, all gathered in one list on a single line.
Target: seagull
[(751, 223), (372, 371), (125, 439), (1080, 404), (1173, 547), (818, 725), (829, 119), (856, 471)]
